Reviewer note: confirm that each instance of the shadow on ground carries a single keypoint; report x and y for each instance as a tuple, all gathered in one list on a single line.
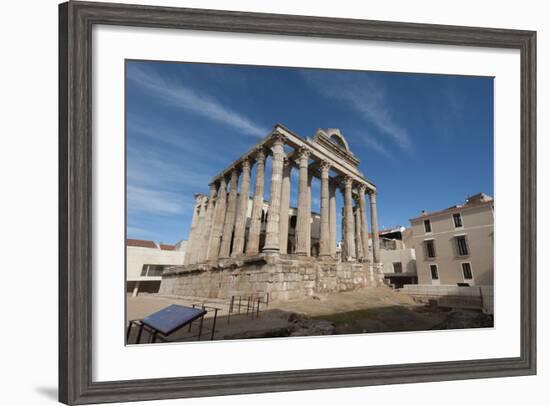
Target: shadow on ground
[(402, 318), (369, 310)]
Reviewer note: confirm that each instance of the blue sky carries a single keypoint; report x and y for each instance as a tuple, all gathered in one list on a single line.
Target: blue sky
[(426, 141)]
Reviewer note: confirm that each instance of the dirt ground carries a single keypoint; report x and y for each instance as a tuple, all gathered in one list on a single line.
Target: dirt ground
[(366, 310)]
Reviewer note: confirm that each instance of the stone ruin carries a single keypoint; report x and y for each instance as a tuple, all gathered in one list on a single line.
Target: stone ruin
[(240, 245)]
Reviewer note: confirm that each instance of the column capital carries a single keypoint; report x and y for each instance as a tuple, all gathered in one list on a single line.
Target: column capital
[(347, 181), (260, 153), (372, 195), (244, 163), (199, 198), (278, 138), (303, 156), (362, 188), (325, 167), (303, 152)]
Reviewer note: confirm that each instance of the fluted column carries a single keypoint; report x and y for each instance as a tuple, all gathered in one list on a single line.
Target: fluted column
[(348, 213), (344, 249), (193, 230), (364, 226), (302, 220), (207, 229), (374, 228), (308, 229), (199, 231), (332, 218), (285, 206), (230, 215), (358, 236), (272, 229), (324, 243), (253, 246), (240, 223), (219, 218)]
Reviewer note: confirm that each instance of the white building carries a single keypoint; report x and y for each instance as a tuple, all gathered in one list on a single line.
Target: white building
[(454, 251), (145, 261), (397, 256)]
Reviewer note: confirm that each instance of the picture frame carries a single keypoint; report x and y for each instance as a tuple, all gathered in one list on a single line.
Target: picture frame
[(76, 19)]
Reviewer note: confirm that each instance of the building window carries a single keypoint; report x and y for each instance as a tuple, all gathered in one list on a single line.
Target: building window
[(152, 270), (144, 270), (427, 226), (467, 270), (457, 219), (461, 245), (433, 270), (386, 244), (397, 267), (430, 248)]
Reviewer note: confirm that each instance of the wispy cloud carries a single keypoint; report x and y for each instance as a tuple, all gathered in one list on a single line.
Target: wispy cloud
[(145, 200), (375, 145), (175, 93), (137, 231), (187, 144), (455, 101), (157, 185), (148, 169), (366, 96)]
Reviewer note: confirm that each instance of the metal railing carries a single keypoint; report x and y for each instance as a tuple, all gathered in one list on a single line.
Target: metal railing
[(247, 305)]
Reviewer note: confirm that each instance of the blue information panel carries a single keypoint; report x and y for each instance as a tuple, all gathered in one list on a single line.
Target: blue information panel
[(172, 318)]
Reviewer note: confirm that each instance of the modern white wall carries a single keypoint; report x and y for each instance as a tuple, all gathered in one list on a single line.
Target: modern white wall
[(136, 257), (28, 165), (406, 256)]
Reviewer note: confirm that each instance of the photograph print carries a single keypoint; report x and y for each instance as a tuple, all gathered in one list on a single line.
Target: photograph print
[(272, 202)]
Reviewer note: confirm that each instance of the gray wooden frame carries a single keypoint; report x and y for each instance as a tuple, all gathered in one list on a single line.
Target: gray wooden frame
[(75, 179)]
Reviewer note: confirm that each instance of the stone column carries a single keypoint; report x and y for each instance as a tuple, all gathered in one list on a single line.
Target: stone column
[(324, 243), (253, 246), (332, 217), (348, 213), (358, 236), (308, 229), (240, 224), (230, 214), (199, 231), (374, 228), (219, 218), (207, 229), (272, 229), (302, 220), (343, 249), (285, 206), (193, 230), (364, 226)]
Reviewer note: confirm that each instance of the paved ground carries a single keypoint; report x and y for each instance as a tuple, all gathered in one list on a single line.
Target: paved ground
[(361, 311)]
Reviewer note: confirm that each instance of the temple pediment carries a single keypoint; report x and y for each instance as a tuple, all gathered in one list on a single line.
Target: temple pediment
[(333, 142)]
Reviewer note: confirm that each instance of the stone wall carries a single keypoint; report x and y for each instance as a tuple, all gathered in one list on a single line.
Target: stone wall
[(473, 297), (284, 277)]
